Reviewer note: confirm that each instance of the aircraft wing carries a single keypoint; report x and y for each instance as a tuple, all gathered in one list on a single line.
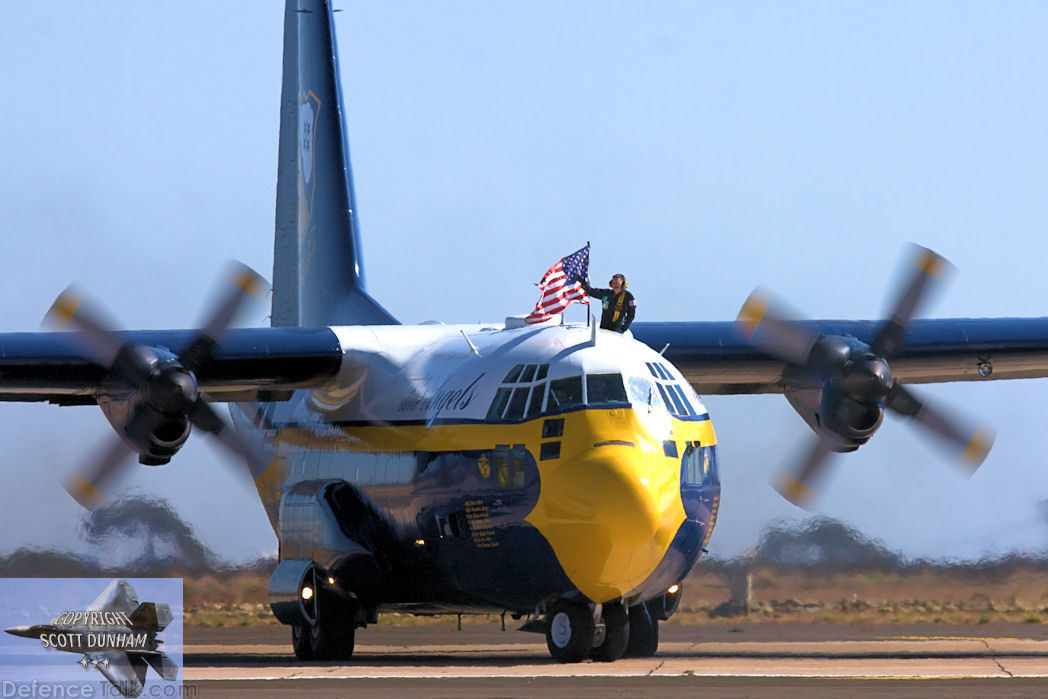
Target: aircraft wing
[(717, 359), (126, 672), (248, 364)]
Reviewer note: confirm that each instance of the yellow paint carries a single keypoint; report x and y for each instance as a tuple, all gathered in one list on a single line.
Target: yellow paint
[(752, 312), (82, 490), (977, 448), (792, 489), (609, 512), (931, 263), (65, 307), (249, 282)]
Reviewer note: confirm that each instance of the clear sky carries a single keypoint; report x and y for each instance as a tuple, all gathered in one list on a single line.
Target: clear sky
[(702, 148)]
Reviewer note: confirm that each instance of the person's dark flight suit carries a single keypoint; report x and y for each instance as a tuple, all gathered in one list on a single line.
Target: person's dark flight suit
[(619, 309)]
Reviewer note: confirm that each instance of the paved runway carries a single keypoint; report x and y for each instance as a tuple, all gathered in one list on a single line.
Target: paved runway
[(723, 660)]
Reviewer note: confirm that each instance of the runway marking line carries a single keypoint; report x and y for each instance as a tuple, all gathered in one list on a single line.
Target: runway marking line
[(296, 678)]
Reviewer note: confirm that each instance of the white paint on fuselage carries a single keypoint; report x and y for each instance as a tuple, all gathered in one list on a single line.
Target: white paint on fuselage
[(428, 373)]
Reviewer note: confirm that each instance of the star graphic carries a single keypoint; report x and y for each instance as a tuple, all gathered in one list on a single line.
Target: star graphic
[(84, 662), (105, 661)]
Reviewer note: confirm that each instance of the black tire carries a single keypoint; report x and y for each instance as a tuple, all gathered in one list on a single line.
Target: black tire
[(332, 638), (616, 634), (333, 635), (644, 633), (569, 632), (300, 642)]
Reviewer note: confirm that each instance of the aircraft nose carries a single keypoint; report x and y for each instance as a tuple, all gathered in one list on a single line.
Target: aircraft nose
[(610, 515), (23, 631)]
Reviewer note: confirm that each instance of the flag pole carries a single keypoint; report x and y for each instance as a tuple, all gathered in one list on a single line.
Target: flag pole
[(588, 314)]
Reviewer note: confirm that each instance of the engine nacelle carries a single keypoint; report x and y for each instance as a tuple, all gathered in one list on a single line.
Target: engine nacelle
[(844, 421), (849, 423), (333, 527), (154, 436)]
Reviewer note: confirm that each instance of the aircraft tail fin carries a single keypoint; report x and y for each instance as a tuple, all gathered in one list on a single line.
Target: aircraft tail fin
[(164, 665), (318, 272), (118, 596), (152, 616)]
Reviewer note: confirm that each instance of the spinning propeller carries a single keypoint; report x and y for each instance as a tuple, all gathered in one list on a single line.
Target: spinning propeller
[(152, 398), (855, 380)]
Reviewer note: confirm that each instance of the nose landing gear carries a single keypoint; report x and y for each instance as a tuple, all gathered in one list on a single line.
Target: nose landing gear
[(572, 635), (569, 631), (616, 634), (643, 633)]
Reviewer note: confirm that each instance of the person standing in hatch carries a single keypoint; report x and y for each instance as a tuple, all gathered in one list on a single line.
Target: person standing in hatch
[(618, 304)]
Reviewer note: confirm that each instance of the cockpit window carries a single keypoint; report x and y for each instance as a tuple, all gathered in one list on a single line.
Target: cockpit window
[(665, 397), (684, 399), (499, 404), (677, 403), (641, 391), (535, 405), (517, 398), (515, 411), (602, 389), (565, 393)]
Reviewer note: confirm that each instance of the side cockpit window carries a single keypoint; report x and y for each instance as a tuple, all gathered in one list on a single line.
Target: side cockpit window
[(514, 374), (670, 394), (498, 406), (538, 392), (521, 394), (641, 392)]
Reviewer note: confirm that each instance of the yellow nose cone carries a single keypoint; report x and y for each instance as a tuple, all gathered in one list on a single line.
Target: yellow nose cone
[(610, 515)]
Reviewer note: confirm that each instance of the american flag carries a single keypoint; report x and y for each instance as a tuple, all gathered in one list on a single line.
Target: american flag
[(562, 284)]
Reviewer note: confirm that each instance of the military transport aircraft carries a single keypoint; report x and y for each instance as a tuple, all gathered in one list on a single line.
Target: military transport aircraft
[(560, 473), (115, 634)]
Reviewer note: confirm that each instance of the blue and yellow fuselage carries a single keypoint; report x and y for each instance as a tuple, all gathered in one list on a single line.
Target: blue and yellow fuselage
[(481, 509)]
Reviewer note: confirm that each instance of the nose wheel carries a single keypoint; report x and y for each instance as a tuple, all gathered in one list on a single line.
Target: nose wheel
[(616, 634), (569, 631), (643, 633)]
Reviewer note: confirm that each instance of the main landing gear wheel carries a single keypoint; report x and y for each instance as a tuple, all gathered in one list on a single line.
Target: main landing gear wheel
[(569, 632), (300, 642), (643, 633), (616, 634), (332, 639)]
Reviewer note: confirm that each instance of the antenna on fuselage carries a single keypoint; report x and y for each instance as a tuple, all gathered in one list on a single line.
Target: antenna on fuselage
[(470, 343), (663, 350), (593, 328)]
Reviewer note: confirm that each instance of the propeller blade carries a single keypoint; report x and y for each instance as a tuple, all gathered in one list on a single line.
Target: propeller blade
[(929, 267), (93, 482), (798, 484), (243, 282), (72, 307), (763, 324), (205, 417), (973, 443)]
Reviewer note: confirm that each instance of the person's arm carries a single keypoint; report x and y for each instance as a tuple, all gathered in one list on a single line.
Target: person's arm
[(595, 293), (631, 310)]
